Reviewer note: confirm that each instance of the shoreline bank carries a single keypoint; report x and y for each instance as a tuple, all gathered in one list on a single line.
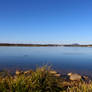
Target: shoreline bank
[(43, 79), (44, 45)]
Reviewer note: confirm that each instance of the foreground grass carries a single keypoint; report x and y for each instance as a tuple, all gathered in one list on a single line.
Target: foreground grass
[(41, 80), (82, 87)]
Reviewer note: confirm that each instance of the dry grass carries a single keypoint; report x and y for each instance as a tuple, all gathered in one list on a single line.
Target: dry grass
[(41, 80)]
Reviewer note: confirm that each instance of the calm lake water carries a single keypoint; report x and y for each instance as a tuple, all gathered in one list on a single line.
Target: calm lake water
[(63, 59)]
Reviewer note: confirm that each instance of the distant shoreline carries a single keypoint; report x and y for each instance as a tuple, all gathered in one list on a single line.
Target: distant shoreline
[(44, 45)]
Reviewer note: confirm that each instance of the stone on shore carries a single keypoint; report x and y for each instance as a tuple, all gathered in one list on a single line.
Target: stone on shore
[(74, 77), (18, 72), (53, 72), (28, 72)]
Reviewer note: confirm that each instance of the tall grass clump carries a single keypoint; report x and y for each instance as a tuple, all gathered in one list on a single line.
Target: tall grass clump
[(40, 80), (82, 87)]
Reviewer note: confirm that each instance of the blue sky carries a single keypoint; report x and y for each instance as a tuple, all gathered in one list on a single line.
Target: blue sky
[(46, 21)]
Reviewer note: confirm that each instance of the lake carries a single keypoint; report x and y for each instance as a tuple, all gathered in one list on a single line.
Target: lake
[(63, 59)]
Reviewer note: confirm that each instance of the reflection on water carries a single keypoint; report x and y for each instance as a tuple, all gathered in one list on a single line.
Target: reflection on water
[(63, 59)]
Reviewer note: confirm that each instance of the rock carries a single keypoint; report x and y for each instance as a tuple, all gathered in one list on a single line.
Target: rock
[(74, 77), (28, 72), (18, 72), (57, 75), (85, 77), (53, 72)]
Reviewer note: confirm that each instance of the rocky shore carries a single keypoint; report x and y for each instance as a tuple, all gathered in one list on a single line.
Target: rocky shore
[(44, 79)]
